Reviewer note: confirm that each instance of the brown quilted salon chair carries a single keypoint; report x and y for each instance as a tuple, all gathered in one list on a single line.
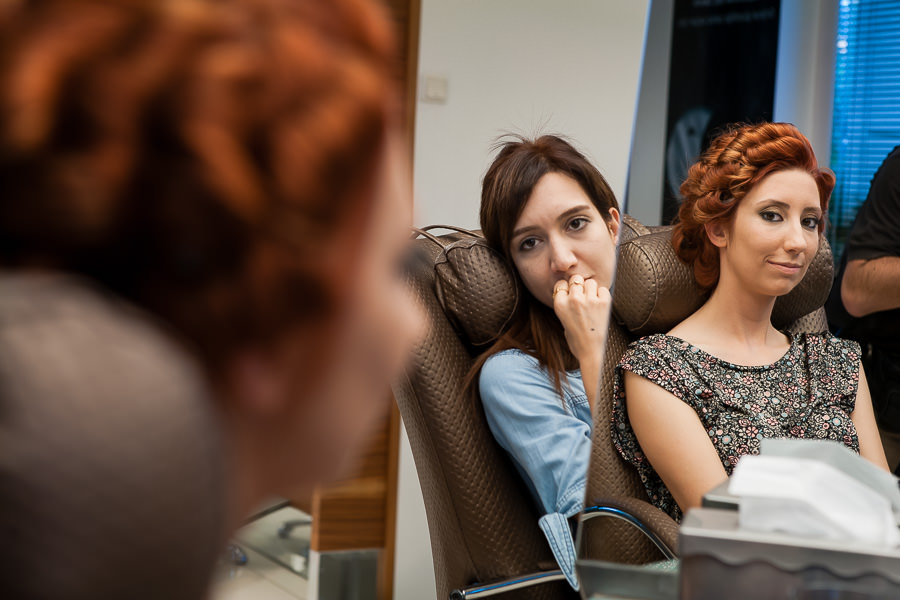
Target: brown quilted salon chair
[(653, 292), (481, 518)]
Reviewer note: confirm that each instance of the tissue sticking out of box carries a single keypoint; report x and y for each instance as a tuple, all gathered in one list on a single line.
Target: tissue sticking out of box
[(807, 497)]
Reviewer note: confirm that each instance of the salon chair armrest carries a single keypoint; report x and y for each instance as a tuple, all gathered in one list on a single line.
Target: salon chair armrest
[(483, 590), (656, 525)]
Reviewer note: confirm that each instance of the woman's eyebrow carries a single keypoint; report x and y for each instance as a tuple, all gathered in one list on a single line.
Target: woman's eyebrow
[(522, 230), (785, 205), (773, 202), (562, 217), (572, 211)]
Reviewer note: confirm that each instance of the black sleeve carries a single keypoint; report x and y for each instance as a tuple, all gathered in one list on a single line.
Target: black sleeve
[(876, 230), (875, 233)]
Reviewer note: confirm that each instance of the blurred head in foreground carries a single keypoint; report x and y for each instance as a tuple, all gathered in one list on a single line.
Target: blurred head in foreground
[(234, 169)]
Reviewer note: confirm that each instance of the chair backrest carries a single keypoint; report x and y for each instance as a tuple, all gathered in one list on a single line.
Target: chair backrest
[(653, 292), (481, 519)]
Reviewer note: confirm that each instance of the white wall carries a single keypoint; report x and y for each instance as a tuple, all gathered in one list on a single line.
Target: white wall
[(522, 66), (804, 77), (645, 177), (413, 567), (804, 91)]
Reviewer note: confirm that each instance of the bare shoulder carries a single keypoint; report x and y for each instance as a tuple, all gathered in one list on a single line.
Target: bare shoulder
[(693, 330)]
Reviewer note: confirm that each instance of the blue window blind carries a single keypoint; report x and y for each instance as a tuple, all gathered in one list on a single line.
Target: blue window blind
[(866, 121)]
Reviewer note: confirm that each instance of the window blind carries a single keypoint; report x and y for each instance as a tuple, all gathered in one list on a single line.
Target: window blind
[(866, 118)]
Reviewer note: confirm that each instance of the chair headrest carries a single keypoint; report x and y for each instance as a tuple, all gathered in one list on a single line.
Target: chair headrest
[(476, 288), (654, 290)]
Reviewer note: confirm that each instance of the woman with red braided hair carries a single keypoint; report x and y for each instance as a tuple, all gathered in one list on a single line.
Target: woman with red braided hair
[(690, 403), (204, 204)]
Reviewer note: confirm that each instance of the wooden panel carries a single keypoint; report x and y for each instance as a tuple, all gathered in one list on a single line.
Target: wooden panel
[(406, 17), (349, 517), (350, 514)]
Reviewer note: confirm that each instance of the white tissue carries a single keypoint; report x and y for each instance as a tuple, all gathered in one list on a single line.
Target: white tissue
[(809, 498)]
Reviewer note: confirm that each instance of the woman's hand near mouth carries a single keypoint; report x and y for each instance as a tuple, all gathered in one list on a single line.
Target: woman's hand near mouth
[(582, 307)]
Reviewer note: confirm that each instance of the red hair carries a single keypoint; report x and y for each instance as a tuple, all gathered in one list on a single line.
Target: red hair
[(734, 163), (210, 160)]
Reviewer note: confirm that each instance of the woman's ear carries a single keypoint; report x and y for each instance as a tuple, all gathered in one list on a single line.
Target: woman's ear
[(614, 223), (716, 232)]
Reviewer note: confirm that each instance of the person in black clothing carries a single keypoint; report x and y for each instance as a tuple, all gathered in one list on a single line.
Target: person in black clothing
[(865, 300)]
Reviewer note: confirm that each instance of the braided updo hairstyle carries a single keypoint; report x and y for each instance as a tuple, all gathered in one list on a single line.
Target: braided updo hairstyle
[(734, 163), (210, 160)]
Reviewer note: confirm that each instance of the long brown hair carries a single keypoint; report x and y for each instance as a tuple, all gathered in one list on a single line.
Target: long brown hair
[(210, 160), (739, 158), (506, 188)]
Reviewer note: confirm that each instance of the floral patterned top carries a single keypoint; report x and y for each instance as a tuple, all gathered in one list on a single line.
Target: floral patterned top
[(807, 393)]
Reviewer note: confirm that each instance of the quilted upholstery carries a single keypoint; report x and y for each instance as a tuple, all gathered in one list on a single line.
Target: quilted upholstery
[(655, 291), (482, 522), (476, 289), (481, 519)]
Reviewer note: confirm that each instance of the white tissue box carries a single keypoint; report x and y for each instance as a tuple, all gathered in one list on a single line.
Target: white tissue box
[(718, 561)]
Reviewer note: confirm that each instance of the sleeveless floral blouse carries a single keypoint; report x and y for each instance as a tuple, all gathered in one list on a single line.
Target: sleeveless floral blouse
[(808, 393)]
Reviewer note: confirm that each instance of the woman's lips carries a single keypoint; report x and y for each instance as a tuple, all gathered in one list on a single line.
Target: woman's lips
[(787, 267)]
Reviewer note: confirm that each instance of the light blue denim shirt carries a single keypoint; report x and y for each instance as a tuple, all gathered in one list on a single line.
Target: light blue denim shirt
[(549, 440)]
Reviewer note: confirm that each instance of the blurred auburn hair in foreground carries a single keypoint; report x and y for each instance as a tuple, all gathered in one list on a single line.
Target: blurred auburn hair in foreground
[(210, 161)]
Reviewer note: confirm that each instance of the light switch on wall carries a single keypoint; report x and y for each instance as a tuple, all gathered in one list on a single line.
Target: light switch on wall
[(435, 90)]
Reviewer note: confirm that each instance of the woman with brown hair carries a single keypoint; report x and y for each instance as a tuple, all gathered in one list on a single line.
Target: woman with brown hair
[(550, 213), (690, 403), (203, 208)]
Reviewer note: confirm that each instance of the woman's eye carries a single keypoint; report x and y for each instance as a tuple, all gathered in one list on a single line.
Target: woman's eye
[(527, 244), (771, 216), (811, 222), (578, 223)]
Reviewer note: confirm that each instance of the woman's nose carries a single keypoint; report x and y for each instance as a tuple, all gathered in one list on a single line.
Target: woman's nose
[(796, 239), (562, 258)]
